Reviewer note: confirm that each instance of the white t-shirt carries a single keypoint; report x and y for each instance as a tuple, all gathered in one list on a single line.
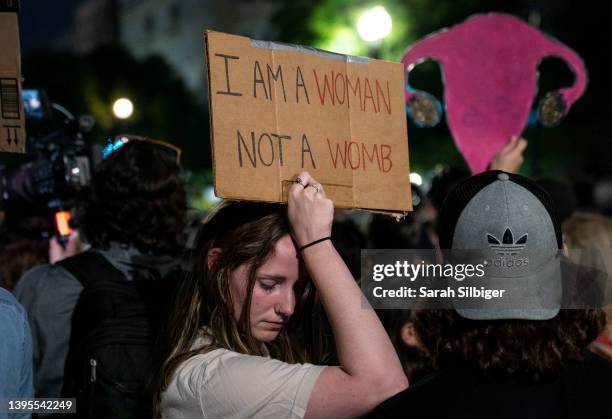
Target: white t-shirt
[(226, 384)]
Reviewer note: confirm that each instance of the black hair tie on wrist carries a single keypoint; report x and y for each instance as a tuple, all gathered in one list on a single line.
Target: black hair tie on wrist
[(313, 243)]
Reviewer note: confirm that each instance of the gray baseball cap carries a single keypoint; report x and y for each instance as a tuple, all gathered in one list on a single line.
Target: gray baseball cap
[(508, 223)]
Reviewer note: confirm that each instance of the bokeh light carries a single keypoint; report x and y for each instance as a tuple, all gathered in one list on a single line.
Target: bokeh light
[(374, 24), (123, 108)]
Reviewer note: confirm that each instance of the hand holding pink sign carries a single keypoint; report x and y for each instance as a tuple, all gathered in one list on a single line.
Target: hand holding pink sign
[(489, 64)]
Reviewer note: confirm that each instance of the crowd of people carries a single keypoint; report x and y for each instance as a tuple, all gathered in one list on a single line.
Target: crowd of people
[(262, 315)]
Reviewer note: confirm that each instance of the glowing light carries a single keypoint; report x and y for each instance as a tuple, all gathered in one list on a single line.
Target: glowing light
[(208, 193), (374, 24), (416, 179), (113, 145), (123, 108), (34, 103)]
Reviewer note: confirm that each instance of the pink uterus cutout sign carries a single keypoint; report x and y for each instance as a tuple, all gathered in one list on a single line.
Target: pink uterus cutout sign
[(489, 64)]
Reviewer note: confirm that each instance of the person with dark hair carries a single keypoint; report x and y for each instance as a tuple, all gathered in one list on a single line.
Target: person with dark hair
[(137, 197), (414, 358), (349, 241), (445, 179), (242, 340), (133, 217), (411, 232), (523, 357), (18, 257)]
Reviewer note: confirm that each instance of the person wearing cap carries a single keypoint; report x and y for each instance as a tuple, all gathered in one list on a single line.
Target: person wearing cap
[(517, 357)]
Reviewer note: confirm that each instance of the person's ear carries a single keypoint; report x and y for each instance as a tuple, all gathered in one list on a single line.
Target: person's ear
[(409, 335), (212, 255)]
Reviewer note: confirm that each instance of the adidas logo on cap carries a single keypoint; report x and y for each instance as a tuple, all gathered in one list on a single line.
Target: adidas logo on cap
[(507, 244)]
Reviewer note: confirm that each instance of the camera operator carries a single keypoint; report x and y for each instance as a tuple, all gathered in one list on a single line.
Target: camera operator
[(37, 195)]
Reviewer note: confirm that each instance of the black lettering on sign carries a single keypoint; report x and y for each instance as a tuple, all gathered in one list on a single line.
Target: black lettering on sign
[(258, 79), (242, 144), (228, 90), (276, 76), (306, 149), (299, 82), (280, 139), (261, 159), (254, 149)]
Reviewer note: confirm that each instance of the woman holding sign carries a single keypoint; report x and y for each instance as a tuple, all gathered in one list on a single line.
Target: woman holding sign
[(239, 345)]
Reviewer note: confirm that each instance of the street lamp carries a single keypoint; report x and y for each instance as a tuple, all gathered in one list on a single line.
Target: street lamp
[(123, 108), (416, 179), (373, 26)]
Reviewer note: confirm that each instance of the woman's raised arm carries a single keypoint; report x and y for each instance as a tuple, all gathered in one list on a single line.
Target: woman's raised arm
[(369, 370)]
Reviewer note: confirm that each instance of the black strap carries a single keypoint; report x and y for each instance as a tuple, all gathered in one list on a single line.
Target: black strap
[(306, 246), (89, 267)]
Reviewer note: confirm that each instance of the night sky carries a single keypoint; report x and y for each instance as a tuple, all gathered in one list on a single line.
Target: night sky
[(42, 22)]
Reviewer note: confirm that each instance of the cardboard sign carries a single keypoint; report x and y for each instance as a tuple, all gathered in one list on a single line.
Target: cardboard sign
[(490, 67), (12, 123), (278, 109)]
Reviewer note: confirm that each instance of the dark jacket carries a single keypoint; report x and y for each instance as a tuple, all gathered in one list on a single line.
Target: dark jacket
[(50, 293), (581, 391)]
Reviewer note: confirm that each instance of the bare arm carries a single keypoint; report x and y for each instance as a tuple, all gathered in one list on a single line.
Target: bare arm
[(510, 158), (369, 371)]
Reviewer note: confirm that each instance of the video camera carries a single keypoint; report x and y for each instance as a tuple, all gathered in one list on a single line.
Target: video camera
[(57, 166)]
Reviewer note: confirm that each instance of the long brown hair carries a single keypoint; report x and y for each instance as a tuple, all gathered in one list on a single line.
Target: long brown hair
[(245, 233)]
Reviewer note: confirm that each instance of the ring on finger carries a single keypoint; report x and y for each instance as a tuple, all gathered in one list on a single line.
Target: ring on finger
[(298, 180), (315, 186)]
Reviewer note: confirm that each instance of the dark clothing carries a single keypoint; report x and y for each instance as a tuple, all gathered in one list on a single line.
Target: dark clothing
[(49, 293), (114, 329), (582, 391)]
